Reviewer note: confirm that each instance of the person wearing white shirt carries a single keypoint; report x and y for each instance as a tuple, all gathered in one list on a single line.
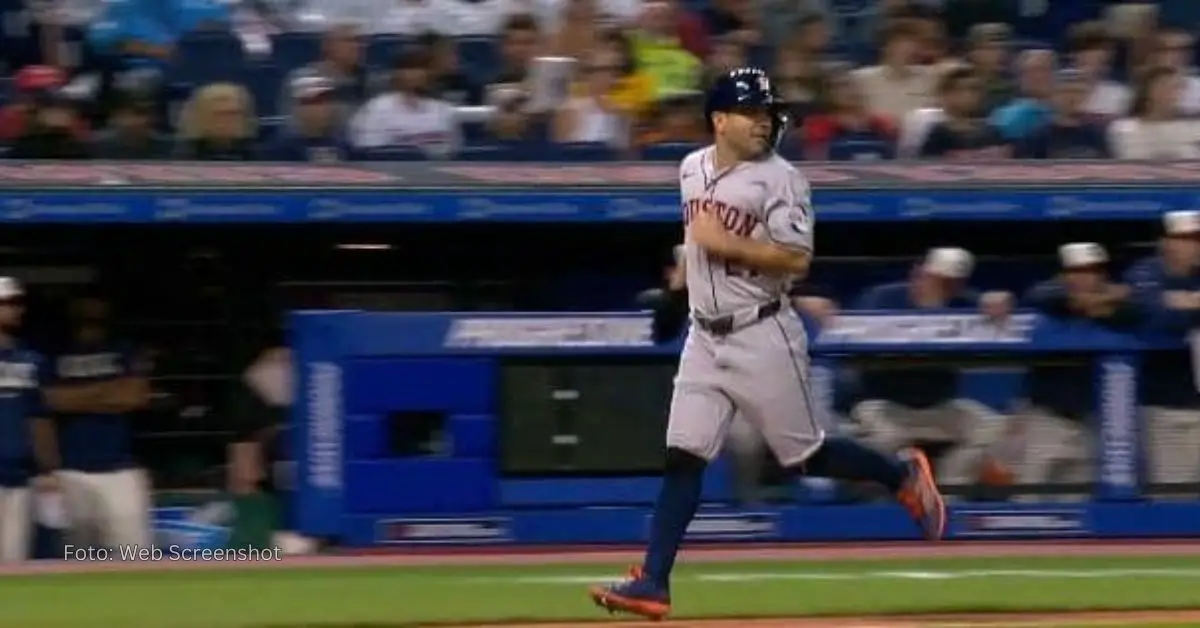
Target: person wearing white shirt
[(1175, 48), (897, 85), (1091, 52), (591, 117), (1154, 128), (406, 116)]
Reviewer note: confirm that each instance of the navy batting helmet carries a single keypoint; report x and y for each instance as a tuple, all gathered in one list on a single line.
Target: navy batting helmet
[(747, 87)]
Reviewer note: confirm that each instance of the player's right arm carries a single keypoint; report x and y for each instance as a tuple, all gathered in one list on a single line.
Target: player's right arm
[(789, 224)]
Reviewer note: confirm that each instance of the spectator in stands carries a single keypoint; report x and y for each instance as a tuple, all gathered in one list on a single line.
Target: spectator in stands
[(52, 131), (1154, 128), (35, 86), (315, 134), (1091, 52), (520, 42), (218, 124), (660, 52), (923, 403), (1021, 117), (963, 134), (576, 35), (133, 33), (737, 20), (635, 90), (898, 84), (511, 121), (727, 53), (341, 62), (447, 80), (849, 132), (690, 29), (593, 116), (1166, 288), (1176, 48), (1070, 133), (1056, 423), (802, 81), (988, 56), (680, 119), (132, 132), (404, 116)]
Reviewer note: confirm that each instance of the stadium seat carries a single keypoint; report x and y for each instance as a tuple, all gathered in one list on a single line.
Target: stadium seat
[(207, 58), (391, 153), (293, 50)]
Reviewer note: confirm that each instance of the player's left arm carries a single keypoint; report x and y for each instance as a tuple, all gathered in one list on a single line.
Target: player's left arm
[(43, 430), (789, 224)]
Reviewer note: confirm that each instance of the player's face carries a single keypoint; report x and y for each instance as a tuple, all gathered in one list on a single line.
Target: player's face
[(11, 313), (747, 130), (1185, 249), (1084, 279)]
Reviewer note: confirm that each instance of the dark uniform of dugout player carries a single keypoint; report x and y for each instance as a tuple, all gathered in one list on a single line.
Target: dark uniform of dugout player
[(92, 387), (922, 404), (1166, 288), (21, 441), (1057, 423)]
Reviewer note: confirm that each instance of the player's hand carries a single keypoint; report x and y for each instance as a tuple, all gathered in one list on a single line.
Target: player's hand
[(46, 483), (709, 232)]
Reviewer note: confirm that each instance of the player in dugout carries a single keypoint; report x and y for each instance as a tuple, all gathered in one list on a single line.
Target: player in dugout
[(922, 404), (1057, 418), (92, 386), (1166, 288)]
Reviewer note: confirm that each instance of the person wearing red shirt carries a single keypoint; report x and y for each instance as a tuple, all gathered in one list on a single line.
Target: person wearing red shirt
[(848, 131), (33, 83)]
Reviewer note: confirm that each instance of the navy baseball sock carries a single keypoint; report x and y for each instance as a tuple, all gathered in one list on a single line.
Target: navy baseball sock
[(845, 459), (678, 501)]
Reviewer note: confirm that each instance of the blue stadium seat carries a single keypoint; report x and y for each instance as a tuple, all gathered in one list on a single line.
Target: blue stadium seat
[(670, 151), (381, 49), (479, 56), (861, 150), (264, 80), (207, 58), (293, 50)]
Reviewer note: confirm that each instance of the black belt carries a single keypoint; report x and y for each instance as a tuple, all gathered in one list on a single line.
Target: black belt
[(724, 325)]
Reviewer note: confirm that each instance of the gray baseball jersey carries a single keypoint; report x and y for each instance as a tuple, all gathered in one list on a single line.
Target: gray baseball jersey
[(759, 370)]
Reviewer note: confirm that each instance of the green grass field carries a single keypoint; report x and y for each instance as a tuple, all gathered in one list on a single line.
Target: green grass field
[(401, 596)]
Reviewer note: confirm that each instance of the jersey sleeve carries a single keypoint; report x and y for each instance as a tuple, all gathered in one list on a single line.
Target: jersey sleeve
[(789, 213)]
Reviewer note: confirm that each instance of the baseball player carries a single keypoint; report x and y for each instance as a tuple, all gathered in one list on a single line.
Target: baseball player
[(92, 388), (748, 235), (21, 444), (901, 406), (1056, 421), (1166, 289)]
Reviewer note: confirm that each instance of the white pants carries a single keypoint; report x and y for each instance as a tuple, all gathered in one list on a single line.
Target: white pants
[(973, 428), (1173, 446), (15, 524), (107, 509), (1055, 450)]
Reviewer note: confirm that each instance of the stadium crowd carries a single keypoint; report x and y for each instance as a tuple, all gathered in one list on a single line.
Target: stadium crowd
[(591, 79)]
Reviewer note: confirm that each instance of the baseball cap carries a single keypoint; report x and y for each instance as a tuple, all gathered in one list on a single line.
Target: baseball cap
[(1081, 254), (949, 262), (1185, 222), (10, 289), (310, 86)]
